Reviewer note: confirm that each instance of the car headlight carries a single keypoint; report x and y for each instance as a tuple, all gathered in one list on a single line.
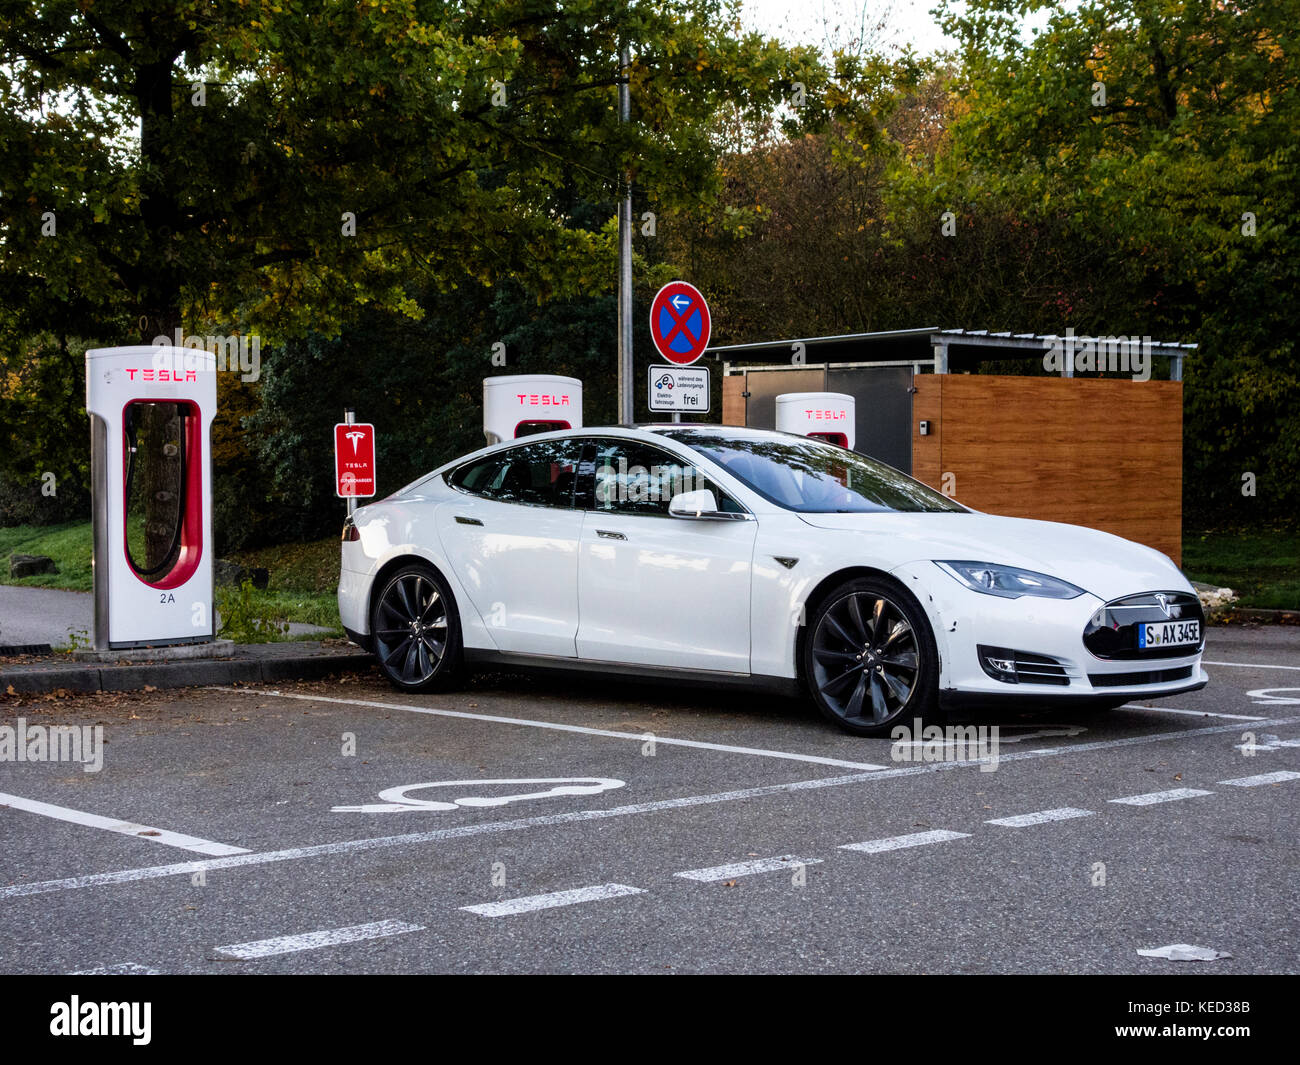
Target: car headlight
[(1009, 582)]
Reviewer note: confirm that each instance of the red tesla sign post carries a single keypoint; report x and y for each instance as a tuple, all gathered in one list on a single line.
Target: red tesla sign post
[(354, 461)]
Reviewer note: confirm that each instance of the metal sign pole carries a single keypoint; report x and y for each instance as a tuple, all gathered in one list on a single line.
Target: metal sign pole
[(350, 417), (625, 409)]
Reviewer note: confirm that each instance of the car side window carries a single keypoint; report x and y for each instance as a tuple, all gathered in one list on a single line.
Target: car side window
[(636, 478), (539, 474)]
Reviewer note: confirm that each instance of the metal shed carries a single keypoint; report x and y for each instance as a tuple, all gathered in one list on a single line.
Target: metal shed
[(1088, 446)]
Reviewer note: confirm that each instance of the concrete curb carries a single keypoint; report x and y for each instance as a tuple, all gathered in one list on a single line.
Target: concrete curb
[(1262, 617), (249, 669)]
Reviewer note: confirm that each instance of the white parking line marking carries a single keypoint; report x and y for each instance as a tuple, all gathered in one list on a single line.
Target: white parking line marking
[(912, 839), (124, 876), (738, 869), (529, 903), (1065, 813), (1151, 798), (1264, 778), (126, 828), (582, 730), (330, 937), (1193, 713), (1247, 665), (126, 968)]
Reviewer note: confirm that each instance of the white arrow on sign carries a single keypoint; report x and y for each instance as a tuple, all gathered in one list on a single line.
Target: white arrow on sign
[(681, 301), (397, 801)]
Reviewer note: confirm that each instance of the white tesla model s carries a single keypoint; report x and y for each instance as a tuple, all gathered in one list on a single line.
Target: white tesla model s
[(723, 554)]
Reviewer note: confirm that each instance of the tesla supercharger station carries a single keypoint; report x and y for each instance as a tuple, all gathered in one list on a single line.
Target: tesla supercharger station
[(166, 599), (523, 404), (824, 415)]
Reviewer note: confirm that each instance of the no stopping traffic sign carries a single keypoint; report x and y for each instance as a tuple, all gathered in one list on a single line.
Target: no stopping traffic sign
[(680, 323)]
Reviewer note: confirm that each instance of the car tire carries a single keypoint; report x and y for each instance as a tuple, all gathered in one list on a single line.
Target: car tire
[(869, 658), (415, 630)]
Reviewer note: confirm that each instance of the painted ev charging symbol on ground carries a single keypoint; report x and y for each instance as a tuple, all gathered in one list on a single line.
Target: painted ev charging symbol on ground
[(1265, 695), (398, 801)]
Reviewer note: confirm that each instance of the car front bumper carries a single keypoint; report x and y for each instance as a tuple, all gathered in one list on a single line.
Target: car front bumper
[(964, 620)]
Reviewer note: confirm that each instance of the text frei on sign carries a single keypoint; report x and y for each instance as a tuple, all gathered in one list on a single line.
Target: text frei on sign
[(354, 460)]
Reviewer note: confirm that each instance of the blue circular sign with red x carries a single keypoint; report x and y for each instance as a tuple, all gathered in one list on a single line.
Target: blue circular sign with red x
[(680, 323)]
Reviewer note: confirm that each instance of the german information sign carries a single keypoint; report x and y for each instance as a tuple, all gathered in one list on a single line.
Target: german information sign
[(674, 388)]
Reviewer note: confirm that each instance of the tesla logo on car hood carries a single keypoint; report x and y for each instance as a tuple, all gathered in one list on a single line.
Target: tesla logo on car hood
[(1163, 600)]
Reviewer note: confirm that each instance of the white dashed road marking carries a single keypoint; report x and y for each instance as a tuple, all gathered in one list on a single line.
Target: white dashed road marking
[(912, 839), (1065, 813), (1151, 798), (126, 968), (510, 907), (357, 846), (126, 828), (330, 937), (737, 869), (1264, 778)]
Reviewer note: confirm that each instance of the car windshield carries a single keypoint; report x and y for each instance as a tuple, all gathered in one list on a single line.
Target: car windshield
[(813, 477)]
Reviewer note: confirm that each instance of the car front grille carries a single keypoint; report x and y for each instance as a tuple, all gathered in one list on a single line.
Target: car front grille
[(1112, 632), (1150, 676)]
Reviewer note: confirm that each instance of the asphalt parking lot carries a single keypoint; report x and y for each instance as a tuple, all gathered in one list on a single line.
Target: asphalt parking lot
[(600, 826)]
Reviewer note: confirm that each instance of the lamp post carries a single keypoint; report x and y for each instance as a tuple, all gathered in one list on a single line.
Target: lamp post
[(625, 408)]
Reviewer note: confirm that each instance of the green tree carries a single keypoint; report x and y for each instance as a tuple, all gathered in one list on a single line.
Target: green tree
[(1160, 134), (232, 165)]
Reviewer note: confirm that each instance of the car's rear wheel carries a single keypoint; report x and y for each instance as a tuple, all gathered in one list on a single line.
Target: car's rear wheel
[(416, 630), (870, 658)]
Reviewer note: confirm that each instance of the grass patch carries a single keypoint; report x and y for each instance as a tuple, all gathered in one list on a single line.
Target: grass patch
[(69, 545), (303, 577), (1261, 565), (311, 567), (304, 581)]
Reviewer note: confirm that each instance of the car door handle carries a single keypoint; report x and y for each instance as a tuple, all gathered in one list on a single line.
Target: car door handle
[(462, 520), (610, 535)]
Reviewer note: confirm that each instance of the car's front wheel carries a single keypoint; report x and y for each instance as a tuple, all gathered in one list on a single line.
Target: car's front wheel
[(416, 630), (870, 658)]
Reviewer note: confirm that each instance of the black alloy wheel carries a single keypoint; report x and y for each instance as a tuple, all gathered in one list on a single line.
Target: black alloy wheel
[(870, 658), (416, 630)]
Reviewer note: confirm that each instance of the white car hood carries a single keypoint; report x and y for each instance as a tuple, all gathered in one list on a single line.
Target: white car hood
[(1108, 566)]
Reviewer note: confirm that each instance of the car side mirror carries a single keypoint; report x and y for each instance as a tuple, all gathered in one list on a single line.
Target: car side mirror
[(700, 505)]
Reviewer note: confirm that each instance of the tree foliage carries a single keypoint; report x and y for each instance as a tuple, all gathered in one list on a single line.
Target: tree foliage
[(280, 166)]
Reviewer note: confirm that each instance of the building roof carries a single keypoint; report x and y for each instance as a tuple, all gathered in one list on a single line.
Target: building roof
[(958, 347)]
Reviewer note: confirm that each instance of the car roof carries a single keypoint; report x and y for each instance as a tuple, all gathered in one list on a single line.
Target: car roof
[(654, 428)]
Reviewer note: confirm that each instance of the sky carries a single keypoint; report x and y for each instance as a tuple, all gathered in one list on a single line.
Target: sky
[(824, 22), (816, 21)]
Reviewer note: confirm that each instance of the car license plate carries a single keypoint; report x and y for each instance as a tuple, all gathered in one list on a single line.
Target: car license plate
[(1169, 634)]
